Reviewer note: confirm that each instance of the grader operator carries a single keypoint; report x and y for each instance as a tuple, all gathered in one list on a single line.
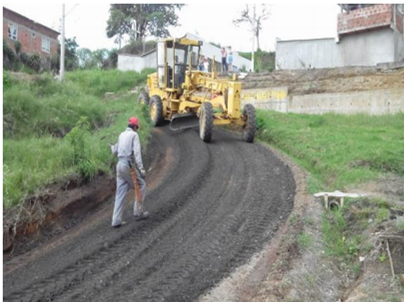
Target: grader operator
[(188, 97)]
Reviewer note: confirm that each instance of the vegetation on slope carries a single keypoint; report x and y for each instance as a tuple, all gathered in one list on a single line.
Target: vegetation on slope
[(39, 146), (338, 150)]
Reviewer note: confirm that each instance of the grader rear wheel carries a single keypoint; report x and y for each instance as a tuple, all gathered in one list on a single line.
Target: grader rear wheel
[(206, 122), (250, 123), (156, 111), (143, 98)]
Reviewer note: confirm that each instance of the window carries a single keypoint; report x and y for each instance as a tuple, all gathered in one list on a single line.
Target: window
[(400, 8), (12, 31), (45, 45), (33, 35)]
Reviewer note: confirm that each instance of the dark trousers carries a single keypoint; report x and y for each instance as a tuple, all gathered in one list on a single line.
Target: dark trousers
[(224, 65)]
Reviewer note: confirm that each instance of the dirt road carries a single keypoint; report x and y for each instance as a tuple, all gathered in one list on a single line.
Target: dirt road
[(212, 206)]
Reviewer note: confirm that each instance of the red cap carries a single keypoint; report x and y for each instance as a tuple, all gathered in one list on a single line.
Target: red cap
[(134, 121)]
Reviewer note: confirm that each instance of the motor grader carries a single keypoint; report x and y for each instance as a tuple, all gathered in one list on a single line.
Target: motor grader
[(187, 97)]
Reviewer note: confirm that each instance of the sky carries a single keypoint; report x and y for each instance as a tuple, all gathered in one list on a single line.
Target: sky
[(289, 21)]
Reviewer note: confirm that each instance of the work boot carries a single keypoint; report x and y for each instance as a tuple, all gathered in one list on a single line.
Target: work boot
[(117, 226), (141, 216)]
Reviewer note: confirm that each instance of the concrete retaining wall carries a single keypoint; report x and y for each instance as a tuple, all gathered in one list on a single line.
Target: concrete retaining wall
[(360, 49), (137, 63), (371, 102), (303, 54)]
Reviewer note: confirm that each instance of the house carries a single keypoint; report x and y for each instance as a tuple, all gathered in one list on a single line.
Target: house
[(149, 59), (368, 34), (34, 37)]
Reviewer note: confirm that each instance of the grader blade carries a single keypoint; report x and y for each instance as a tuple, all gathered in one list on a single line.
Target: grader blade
[(184, 121)]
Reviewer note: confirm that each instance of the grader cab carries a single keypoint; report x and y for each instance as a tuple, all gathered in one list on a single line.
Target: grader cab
[(187, 97)]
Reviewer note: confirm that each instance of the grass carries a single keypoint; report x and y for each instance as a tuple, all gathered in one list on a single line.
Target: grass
[(338, 150), (263, 61), (47, 107), (98, 82), (305, 240), (38, 117), (346, 233)]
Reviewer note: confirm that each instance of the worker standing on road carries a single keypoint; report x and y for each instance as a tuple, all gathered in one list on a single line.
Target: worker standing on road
[(129, 154)]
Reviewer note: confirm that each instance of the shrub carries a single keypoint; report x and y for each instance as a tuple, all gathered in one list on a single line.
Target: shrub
[(8, 52), (17, 47), (35, 62), (24, 58), (78, 138)]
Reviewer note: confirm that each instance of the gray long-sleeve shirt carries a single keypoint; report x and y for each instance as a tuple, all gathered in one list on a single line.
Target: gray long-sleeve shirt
[(128, 147)]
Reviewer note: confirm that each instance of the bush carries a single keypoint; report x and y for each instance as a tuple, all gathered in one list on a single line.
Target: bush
[(113, 58), (78, 138), (8, 53), (24, 58), (17, 47), (34, 62)]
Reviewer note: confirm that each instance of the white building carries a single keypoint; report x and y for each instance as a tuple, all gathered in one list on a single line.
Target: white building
[(149, 59)]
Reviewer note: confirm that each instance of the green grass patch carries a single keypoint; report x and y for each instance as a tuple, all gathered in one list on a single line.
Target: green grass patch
[(305, 240), (56, 131), (338, 150), (97, 82), (48, 107)]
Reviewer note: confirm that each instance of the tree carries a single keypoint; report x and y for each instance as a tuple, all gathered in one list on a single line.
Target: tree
[(100, 58), (71, 59), (85, 57), (255, 21), (141, 20)]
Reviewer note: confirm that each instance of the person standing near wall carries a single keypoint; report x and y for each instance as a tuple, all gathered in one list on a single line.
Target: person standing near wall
[(206, 65), (201, 61), (224, 60), (230, 59)]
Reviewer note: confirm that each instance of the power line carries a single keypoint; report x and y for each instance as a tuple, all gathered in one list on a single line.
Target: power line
[(71, 10)]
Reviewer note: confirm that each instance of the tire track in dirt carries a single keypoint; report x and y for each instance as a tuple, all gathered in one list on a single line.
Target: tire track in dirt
[(215, 206)]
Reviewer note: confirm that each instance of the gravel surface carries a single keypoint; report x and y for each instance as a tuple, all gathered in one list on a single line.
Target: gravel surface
[(211, 208)]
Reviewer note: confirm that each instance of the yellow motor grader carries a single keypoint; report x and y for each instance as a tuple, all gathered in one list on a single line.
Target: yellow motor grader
[(188, 97)]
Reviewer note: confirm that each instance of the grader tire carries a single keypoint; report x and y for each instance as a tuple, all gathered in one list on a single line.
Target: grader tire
[(156, 111), (206, 122), (143, 98), (250, 126)]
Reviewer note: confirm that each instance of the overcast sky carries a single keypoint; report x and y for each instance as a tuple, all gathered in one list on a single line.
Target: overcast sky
[(87, 22)]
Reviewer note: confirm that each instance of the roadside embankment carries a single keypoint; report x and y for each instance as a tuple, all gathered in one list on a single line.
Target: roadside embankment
[(347, 254), (56, 138), (347, 90)]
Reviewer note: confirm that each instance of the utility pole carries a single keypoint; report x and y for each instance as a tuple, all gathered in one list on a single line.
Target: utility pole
[(253, 41), (62, 48)]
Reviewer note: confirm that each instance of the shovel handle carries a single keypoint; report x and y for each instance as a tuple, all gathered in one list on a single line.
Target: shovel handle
[(135, 183)]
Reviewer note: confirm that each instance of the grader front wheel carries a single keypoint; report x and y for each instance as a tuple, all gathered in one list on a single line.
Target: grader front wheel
[(250, 123), (143, 98), (206, 122), (156, 111)]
